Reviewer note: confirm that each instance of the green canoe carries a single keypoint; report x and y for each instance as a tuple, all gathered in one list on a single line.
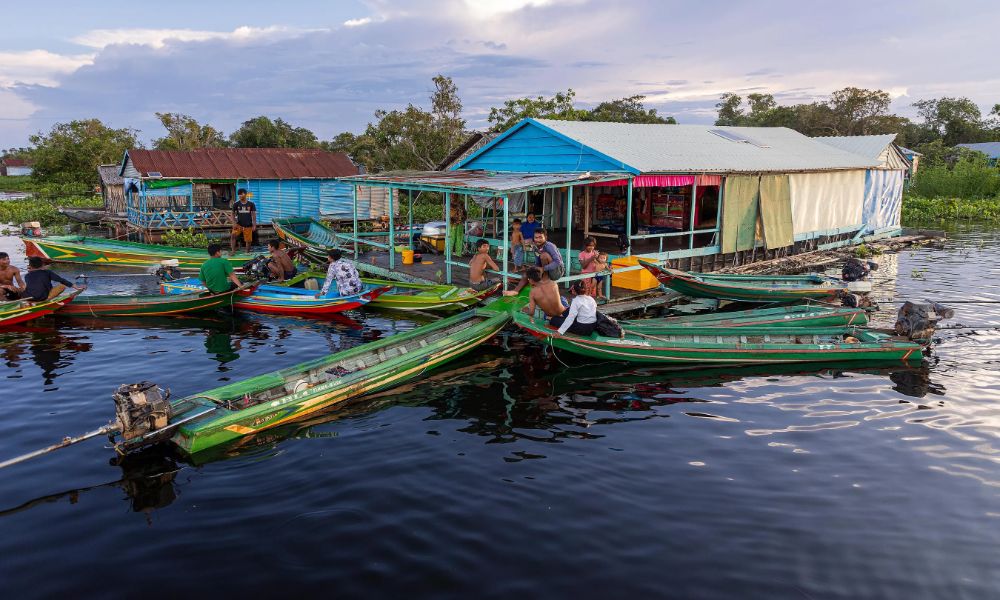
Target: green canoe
[(410, 296), (754, 288), (218, 416), (708, 345), (150, 305), (802, 315), (315, 237), (100, 251)]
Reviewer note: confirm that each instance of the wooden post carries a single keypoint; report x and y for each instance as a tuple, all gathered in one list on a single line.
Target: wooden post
[(354, 197), (628, 219), (447, 236), (569, 228), (506, 239), (392, 241)]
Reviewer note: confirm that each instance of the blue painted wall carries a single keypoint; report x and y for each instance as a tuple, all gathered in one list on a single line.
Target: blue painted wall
[(300, 198), (532, 148)]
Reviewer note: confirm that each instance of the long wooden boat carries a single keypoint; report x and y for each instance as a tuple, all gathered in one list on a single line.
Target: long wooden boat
[(801, 315), (279, 300), (83, 215), (19, 311), (207, 419), (410, 296), (100, 251), (753, 288), (153, 305), (732, 346), (307, 232)]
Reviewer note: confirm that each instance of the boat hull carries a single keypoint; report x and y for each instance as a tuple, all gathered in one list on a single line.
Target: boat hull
[(22, 311), (96, 251), (277, 300), (810, 315), (149, 306), (748, 288), (413, 296), (466, 331)]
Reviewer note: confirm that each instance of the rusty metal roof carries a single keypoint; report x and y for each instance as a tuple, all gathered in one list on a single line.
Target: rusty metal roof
[(481, 182), (243, 163)]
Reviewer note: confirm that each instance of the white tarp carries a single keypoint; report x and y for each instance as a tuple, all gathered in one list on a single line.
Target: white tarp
[(825, 201), (883, 198)]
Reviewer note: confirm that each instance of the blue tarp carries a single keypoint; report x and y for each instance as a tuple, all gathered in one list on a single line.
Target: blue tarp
[(883, 199)]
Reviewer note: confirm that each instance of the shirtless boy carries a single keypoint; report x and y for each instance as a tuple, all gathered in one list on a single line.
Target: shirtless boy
[(477, 267), (544, 294), (11, 283)]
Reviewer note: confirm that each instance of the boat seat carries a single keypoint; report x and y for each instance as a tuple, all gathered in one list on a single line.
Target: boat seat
[(311, 284)]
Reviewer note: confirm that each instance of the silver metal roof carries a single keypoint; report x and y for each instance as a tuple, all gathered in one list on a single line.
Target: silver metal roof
[(991, 149), (869, 146), (481, 182), (695, 149)]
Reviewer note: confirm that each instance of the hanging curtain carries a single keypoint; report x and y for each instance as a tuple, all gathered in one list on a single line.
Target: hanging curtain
[(776, 211), (739, 212)]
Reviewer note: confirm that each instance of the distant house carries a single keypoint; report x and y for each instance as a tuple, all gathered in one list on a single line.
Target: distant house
[(990, 149), (474, 142), (14, 167), (914, 157), (112, 189), (167, 189), (884, 184)]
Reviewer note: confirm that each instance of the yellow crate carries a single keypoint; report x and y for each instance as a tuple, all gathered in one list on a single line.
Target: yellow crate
[(638, 280), (436, 242)]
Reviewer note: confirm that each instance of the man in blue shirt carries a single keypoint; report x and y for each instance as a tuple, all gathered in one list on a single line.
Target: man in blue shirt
[(529, 227), (547, 257)]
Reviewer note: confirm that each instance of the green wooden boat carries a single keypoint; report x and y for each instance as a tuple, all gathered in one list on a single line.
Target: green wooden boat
[(150, 305), (315, 237), (20, 311), (410, 296), (100, 251), (709, 345), (207, 419), (802, 315), (754, 288)]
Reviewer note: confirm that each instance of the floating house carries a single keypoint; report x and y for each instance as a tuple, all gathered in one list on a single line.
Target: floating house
[(167, 189), (990, 149), (14, 167), (700, 197), (112, 190)]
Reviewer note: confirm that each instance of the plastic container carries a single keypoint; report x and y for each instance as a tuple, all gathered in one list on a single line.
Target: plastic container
[(638, 280), (407, 256)]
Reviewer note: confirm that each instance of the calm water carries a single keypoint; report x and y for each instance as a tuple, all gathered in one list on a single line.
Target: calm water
[(515, 472)]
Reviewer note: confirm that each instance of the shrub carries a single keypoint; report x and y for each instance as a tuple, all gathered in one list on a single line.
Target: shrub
[(185, 238), (969, 177)]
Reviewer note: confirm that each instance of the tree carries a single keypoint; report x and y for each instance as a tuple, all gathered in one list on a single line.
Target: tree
[(729, 110), (559, 107), (262, 132), (857, 111), (955, 120), (412, 138), (71, 152), (627, 110), (184, 133)]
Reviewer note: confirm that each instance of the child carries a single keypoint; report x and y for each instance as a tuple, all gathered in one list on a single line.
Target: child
[(517, 245), (477, 267), (588, 258), (600, 266)]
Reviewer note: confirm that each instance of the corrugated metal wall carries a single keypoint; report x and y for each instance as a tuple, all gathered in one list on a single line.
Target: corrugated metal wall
[(276, 198)]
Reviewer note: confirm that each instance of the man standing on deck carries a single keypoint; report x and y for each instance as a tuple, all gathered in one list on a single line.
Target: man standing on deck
[(217, 273), (11, 284), (245, 213)]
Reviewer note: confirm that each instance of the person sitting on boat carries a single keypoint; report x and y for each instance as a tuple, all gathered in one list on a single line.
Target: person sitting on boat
[(11, 284), (343, 273), (245, 213), (548, 259), (281, 265), (544, 294), (477, 267), (581, 316), (217, 273), (38, 281)]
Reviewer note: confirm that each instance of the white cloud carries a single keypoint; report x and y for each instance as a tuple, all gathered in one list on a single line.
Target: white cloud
[(158, 38), (38, 67), (357, 22)]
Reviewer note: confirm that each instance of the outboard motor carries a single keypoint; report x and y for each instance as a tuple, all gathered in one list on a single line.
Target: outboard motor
[(257, 269), (856, 269), (141, 409), (918, 320), (168, 270)]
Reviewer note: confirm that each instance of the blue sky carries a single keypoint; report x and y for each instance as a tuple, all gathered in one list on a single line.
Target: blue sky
[(328, 65)]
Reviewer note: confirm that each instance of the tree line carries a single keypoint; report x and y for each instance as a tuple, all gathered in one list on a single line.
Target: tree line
[(419, 138)]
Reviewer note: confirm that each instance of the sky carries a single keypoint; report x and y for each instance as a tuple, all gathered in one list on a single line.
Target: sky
[(328, 65)]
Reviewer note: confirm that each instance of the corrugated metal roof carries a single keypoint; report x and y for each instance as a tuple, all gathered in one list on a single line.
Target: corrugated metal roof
[(109, 175), (869, 146), (243, 163), (991, 149), (695, 149), (482, 182), (16, 162), (474, 142)]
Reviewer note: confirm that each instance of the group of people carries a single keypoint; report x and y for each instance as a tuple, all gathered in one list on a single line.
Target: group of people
[(579, 314), (37, 285)]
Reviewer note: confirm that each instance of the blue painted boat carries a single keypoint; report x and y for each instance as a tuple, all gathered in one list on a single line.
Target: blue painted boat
[(273, 299)]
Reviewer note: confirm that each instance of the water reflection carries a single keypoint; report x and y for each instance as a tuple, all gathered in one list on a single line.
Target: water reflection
[(50, 349)]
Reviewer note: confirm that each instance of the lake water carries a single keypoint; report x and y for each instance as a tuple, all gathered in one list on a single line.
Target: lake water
[(516, 473)]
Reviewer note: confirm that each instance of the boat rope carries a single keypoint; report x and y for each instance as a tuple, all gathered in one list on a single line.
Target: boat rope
[(553, 347)]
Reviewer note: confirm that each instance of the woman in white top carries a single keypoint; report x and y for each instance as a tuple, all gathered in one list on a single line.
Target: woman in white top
[(342, 273), (581, 316)]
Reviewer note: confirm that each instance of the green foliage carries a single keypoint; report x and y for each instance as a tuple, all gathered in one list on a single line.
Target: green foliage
[(865, 251), (955, 120), (185, 238), (968, 177), (262, 132), (184, 133), (560, 107), (412, 138), (849, 111), (44, 190), (42, 210), (927, 211), (71, 152)]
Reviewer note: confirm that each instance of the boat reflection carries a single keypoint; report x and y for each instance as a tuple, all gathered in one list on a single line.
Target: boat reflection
[(44, 344)]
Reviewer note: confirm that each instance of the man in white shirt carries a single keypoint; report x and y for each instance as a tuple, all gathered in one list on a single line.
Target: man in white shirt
[(581, 316)]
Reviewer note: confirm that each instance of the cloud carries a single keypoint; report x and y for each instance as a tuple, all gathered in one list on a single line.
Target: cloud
[(39, 67), (158, 38)]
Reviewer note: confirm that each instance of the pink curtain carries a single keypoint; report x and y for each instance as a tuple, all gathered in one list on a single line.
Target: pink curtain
[(642, 181)]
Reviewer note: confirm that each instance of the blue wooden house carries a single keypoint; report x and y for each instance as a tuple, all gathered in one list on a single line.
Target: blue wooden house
[(179, 189)]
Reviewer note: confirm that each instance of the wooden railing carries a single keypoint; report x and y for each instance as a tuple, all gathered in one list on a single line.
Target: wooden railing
[(173, 219)]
